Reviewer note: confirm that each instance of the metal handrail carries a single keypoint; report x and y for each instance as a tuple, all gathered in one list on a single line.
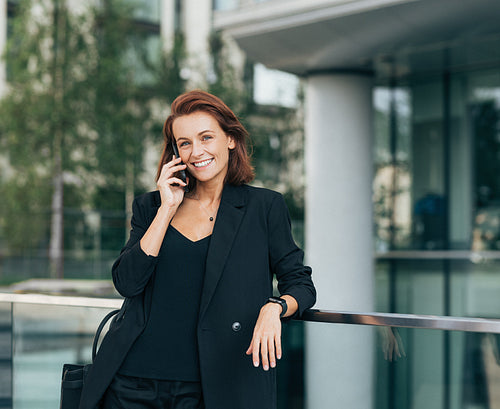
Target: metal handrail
[(334, 317), (405, 320), (470, 255)]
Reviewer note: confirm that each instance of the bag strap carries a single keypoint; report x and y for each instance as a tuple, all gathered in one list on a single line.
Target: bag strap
[(99, 330)]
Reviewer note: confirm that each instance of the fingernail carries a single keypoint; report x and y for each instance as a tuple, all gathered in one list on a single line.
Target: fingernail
[(279, 356), (256, 364), (266, 367)]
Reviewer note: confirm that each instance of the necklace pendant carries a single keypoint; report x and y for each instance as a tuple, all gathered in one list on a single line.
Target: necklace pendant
[(211, 219)]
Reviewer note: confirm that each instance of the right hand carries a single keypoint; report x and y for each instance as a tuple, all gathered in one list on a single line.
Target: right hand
[(171, 188)]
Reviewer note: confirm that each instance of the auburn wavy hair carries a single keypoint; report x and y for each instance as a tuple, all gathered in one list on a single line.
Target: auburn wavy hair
[(240, 169)]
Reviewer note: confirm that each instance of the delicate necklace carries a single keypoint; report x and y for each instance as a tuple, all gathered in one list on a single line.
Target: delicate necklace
[(211, 218)]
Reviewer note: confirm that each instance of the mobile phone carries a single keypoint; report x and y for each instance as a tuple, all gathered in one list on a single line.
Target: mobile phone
[(182, 173)]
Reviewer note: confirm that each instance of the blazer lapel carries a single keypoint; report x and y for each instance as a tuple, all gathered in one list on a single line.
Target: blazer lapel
[(229, 217)]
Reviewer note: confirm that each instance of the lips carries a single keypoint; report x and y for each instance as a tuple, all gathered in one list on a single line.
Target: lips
[(202, 163)]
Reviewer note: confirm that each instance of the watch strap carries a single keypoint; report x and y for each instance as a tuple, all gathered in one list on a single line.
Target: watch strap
[(282, 302)]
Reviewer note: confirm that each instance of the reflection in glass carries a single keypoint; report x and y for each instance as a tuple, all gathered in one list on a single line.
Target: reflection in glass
[(5, 355), (46, 337), (485, 121), (437, 160), (392, 180), (426, 379), (391, 344)]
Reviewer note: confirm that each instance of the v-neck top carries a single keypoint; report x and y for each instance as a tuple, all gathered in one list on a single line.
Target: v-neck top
[(168, 347)]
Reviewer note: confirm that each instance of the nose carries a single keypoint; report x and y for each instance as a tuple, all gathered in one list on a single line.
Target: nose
[(197, 149)]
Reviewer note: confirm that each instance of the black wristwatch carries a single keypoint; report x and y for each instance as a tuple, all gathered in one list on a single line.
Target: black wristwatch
[(281, 302)]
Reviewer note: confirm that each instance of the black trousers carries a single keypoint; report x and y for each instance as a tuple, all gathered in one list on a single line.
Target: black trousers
[(127, 392)]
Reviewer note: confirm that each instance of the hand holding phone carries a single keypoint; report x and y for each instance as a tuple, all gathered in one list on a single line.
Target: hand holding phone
[(181, 173)]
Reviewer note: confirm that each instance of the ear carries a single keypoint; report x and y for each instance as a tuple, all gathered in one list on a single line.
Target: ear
[(231, 143)]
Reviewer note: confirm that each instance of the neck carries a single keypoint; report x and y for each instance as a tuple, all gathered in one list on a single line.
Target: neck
[(208, 193)]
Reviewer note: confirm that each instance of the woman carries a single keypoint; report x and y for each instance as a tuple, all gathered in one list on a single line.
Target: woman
[(199, 327)]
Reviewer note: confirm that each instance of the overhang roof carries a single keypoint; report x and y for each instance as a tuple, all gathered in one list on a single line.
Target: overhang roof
[(305, 36)]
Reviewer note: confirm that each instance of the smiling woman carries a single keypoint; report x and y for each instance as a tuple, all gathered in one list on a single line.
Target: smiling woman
[(197, 273)]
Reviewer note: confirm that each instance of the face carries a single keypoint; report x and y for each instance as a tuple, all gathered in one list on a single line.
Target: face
[(203, 146)]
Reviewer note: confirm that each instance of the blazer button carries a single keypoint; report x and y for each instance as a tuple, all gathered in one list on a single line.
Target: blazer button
[(236, 326)]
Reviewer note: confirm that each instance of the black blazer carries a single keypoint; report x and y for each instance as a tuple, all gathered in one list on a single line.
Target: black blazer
[(250, 243)]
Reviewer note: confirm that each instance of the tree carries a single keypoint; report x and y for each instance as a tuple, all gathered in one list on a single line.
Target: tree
[(120, 103), (76, 114), (42, 116)]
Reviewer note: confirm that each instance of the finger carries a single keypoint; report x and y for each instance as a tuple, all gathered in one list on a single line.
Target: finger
[(177, 168), (396, 351), (263, 353), (165, 171), (176, 181), (279, 352), (255, 352), (249, 350), (271, 353), (173, 162), (169, 172), (169, 184)]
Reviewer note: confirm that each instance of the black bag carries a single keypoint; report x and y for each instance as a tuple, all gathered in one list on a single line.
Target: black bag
[(73, 376)]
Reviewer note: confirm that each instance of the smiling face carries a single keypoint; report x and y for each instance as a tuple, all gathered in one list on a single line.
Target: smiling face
[(203, 146)]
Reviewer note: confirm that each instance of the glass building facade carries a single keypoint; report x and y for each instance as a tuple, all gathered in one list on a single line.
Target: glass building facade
[(437, 221)]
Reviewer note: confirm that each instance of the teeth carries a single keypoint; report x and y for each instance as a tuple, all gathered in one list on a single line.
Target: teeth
[(201, 164)]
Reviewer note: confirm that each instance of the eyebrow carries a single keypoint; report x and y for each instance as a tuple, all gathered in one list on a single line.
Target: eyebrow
[(198, 134), (204, 131)]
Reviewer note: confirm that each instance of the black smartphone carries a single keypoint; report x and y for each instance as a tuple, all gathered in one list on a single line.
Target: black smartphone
[(182, 173)]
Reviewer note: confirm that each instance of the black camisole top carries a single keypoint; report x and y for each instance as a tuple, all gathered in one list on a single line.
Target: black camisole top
[(168, 347)]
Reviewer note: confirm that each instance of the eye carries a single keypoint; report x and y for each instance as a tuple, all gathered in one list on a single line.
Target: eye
[(206, 137), (184, 143)]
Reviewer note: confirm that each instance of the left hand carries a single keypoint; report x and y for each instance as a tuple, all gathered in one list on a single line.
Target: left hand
[(266, 340)]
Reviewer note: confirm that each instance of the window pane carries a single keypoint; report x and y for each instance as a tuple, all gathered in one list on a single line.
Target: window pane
[(273, 87), (225, 4)]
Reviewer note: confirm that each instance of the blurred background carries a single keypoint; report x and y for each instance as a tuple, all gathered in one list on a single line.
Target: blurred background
[(86, 88), (379, 120)]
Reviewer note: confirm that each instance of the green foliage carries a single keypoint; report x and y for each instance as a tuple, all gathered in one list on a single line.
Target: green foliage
[(118, 109), (41, 116), (24, 213), (168, 83), (75, 98)]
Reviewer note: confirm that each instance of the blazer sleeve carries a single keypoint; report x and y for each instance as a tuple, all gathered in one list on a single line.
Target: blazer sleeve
[(287, 260), (133, 268)]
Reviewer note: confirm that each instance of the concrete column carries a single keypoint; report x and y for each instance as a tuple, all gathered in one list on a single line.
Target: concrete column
[(197, 28), (167, 22), (339, 358), (3, 41)]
